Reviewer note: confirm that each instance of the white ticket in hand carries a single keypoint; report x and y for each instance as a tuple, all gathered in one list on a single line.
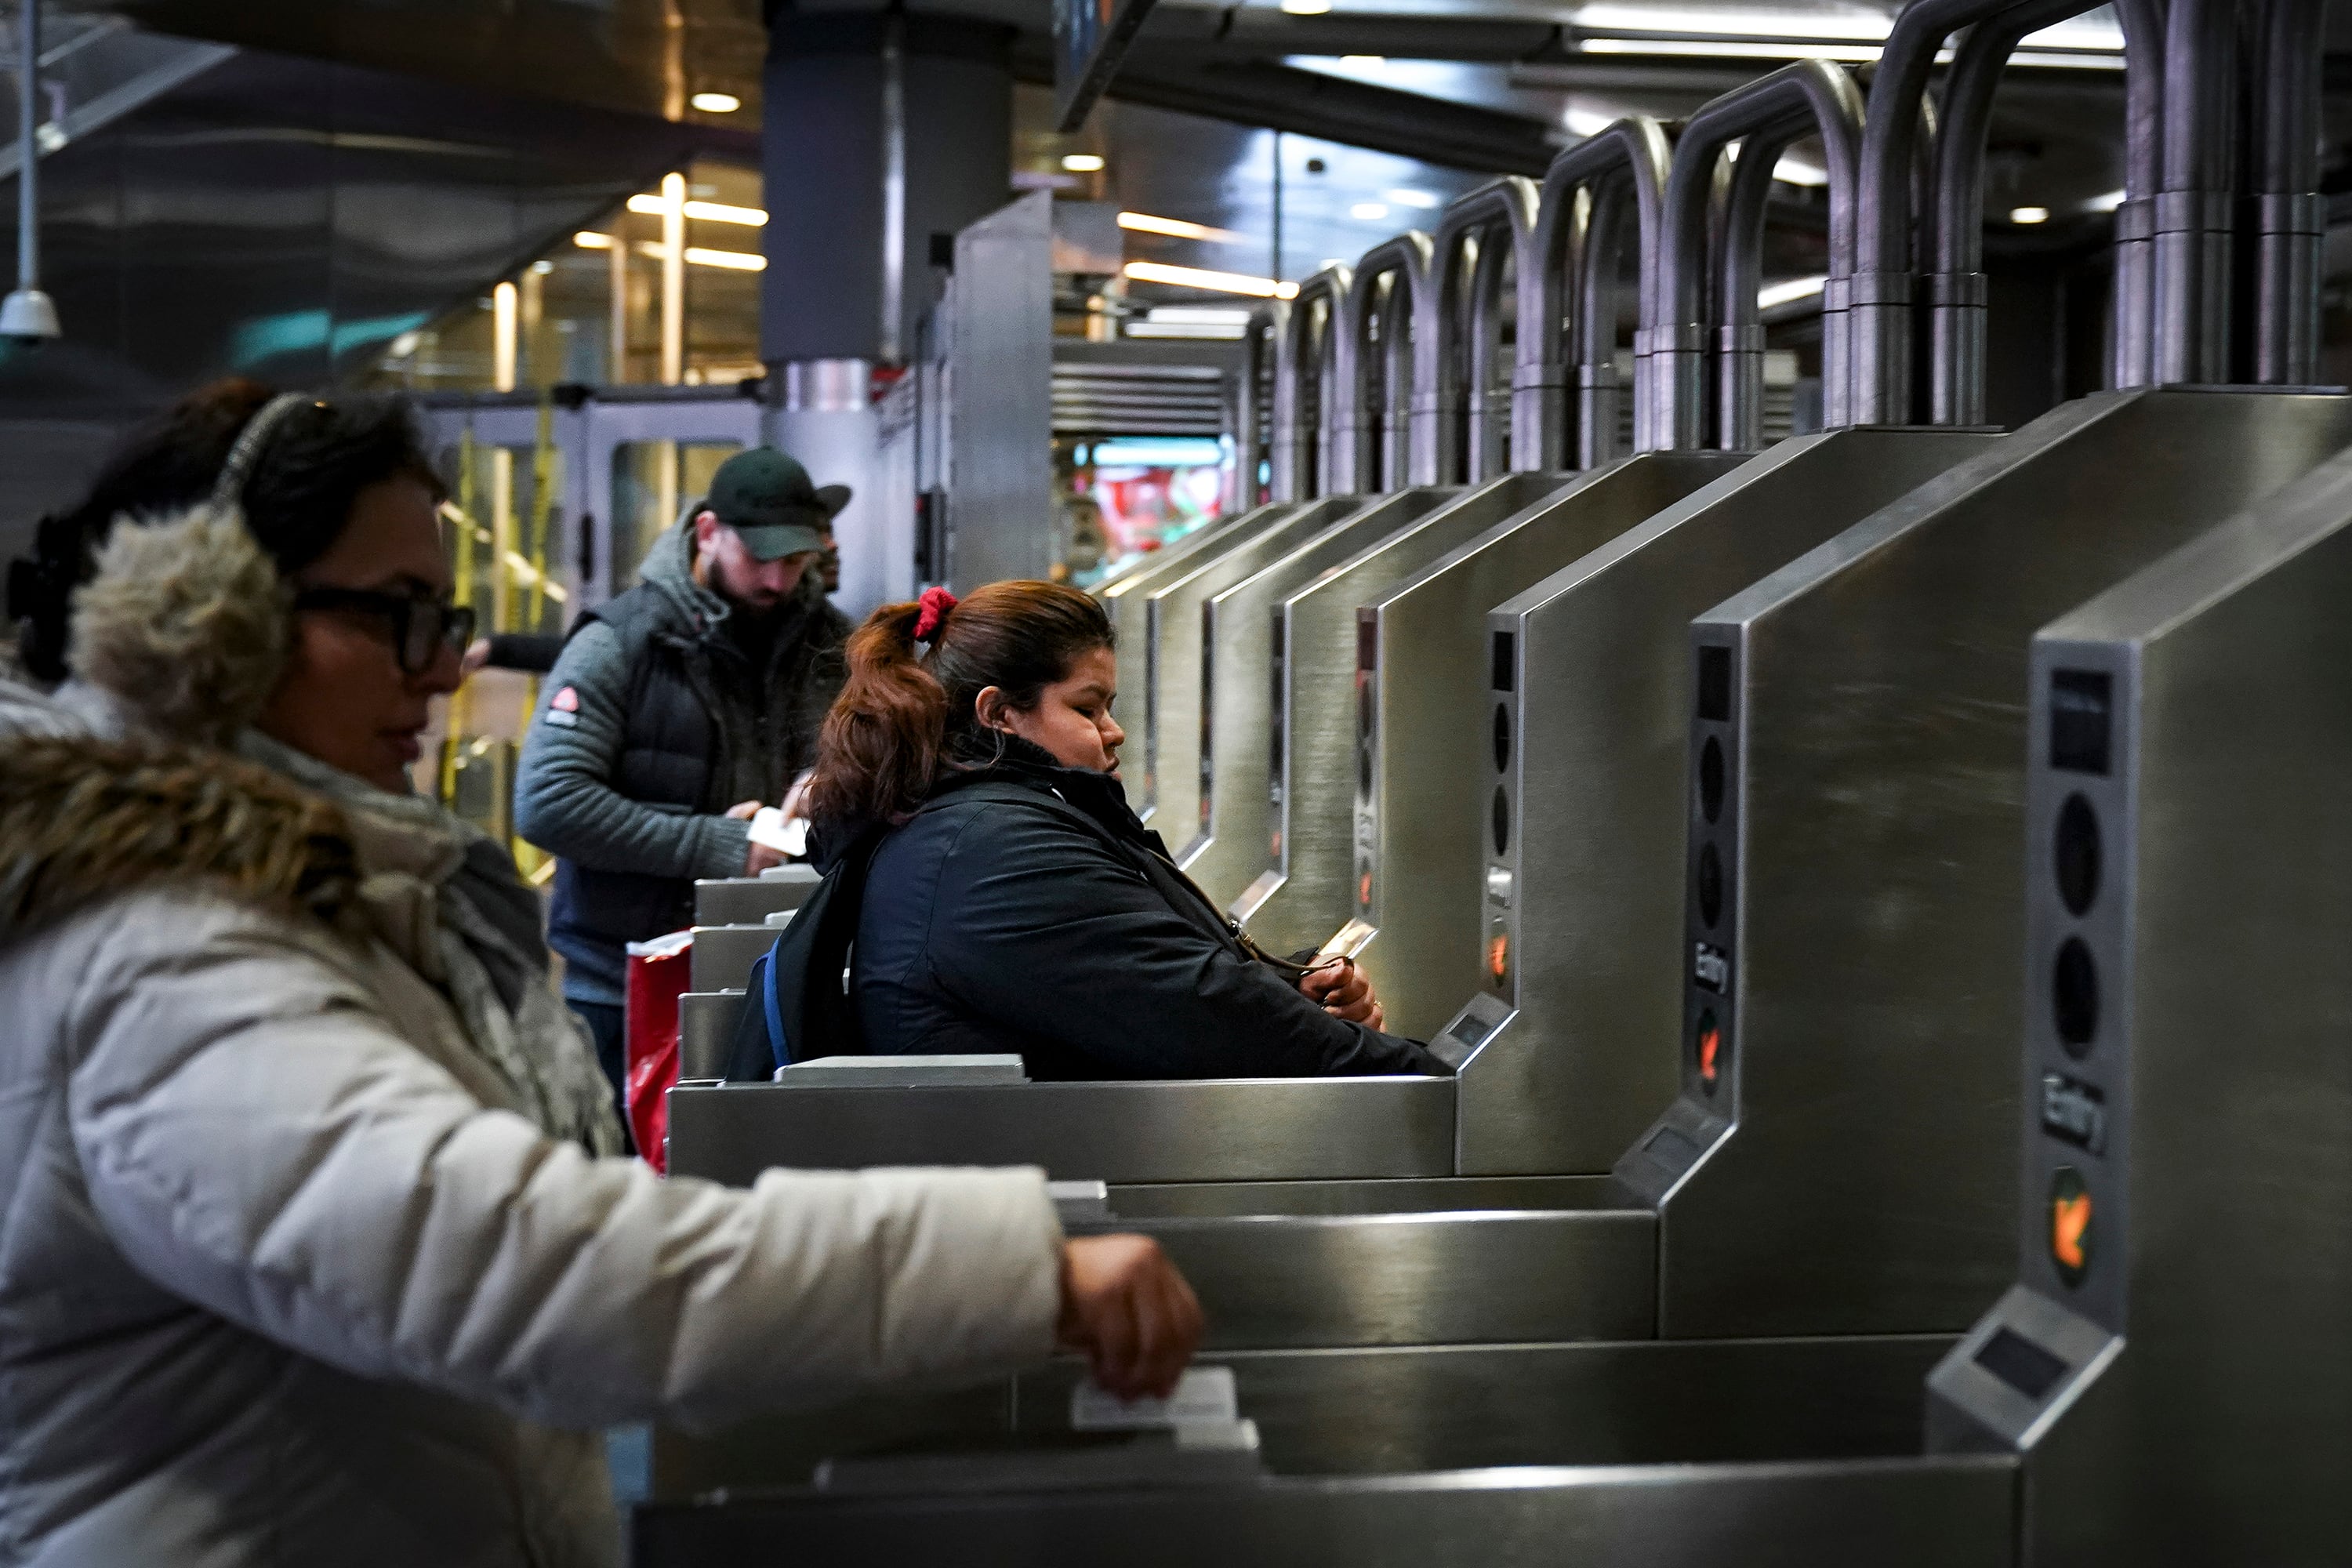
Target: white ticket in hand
[(1204, 1396), (771, 831)]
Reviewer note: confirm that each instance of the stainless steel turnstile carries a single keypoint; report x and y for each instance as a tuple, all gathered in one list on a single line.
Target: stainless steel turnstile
[(1841, 1154), (1237, 655), (1124, 595), (2165, 1384), (1311, 751), (1168, 795), (1567, 944), (1419, 676)]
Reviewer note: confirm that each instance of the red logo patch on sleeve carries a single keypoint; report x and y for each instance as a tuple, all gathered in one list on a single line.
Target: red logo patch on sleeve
[(565, 701)]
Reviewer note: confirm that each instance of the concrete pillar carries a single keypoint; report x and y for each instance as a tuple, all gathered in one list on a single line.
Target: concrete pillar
[(881, 129)]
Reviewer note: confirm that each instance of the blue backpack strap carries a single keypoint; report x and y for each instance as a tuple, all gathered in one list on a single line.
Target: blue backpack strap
[(763, 979)]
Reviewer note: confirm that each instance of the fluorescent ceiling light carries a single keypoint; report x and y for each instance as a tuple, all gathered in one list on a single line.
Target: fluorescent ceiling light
[(1306, 8), (1800, 49), (1144, 223), (700, 256), (2106, 203), (1195, 329), (1363, 62), (1585, 122), (589, 239), (1217, 282), (741, 261), (1732, 48), (1407, 198), (1790, 170), (2079, 33), (716, 102), (1228, 315), (1369, 212), (2029, 215), (709, 211), (2068, 61), (1082, 163), (1790, 293), (1727, 22)]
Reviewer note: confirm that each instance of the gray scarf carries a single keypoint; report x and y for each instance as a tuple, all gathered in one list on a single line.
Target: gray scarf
[(446, 897)]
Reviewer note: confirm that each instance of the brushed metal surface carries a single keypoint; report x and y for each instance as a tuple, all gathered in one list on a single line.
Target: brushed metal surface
[(749, 900), (1124, 595), (1592, 774), (1421, 719), (722, 956), (1875, 908), (1394, 1196), (1275, 1281), (1170, 705), (1310, 846), (1374, 1411), (1237, 684), (1952, 1512), (2200, 1416), (1184, 1130), (706, 1021)]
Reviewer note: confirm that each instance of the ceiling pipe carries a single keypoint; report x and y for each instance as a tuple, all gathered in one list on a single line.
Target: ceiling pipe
[(1955, 285), (2193, 216), (27, 313), (1571, 278), (1476, 236), (1396, 446), (1764, 117), (1307, 387), (2289, 217)]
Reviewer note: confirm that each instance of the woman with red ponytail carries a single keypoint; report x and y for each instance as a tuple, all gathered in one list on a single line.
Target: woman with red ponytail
[(1012, 901)]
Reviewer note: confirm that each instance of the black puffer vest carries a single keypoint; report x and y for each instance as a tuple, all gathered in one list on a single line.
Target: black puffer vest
[(680, 751)]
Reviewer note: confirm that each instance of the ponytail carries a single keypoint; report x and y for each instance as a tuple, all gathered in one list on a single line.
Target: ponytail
[(879, 748), (902, 720)]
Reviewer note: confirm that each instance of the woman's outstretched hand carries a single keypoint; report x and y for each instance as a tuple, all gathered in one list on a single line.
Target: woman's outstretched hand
[(1127, 1310), (1344, 992)]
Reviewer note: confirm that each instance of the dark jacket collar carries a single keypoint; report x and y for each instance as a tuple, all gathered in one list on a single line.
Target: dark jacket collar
[(1099, 795)]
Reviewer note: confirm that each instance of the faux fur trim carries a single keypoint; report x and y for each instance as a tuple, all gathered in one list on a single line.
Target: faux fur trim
[(82, 819), (187, 621)]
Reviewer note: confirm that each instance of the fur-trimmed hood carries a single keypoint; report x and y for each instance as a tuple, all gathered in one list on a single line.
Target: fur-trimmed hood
[(129, 775), (83, 819)]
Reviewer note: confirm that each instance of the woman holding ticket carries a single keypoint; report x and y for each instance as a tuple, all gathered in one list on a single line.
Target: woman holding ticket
[(316, 1249), (967, 776)]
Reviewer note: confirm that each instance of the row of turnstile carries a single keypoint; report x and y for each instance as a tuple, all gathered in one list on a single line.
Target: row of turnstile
[(1881, 898)]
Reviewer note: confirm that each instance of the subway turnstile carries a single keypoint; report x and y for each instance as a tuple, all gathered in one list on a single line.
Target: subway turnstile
[(1564, 919), (2168, 1382)]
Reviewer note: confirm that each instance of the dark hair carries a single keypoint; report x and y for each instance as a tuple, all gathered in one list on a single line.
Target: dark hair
[(316, 462), (901, 720)]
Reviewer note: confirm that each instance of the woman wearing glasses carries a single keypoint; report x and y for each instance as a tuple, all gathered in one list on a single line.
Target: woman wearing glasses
[(312, 1252)]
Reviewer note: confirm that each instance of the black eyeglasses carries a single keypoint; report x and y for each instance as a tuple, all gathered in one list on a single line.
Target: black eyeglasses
[(421, 625)]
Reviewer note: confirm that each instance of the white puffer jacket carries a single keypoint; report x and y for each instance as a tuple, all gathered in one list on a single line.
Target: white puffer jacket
[(287, 1277)]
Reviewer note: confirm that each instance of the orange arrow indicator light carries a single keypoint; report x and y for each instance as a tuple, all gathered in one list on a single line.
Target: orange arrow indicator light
[(2070, 1225), (1710, 1045)]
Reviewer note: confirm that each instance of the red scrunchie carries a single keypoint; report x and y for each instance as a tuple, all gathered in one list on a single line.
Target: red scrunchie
[(936, 602)]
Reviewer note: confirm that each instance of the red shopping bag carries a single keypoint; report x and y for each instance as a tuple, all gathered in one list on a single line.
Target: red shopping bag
[(658, 973)]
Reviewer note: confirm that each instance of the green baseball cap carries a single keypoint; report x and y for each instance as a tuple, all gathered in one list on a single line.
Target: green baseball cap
[(766, 497)]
